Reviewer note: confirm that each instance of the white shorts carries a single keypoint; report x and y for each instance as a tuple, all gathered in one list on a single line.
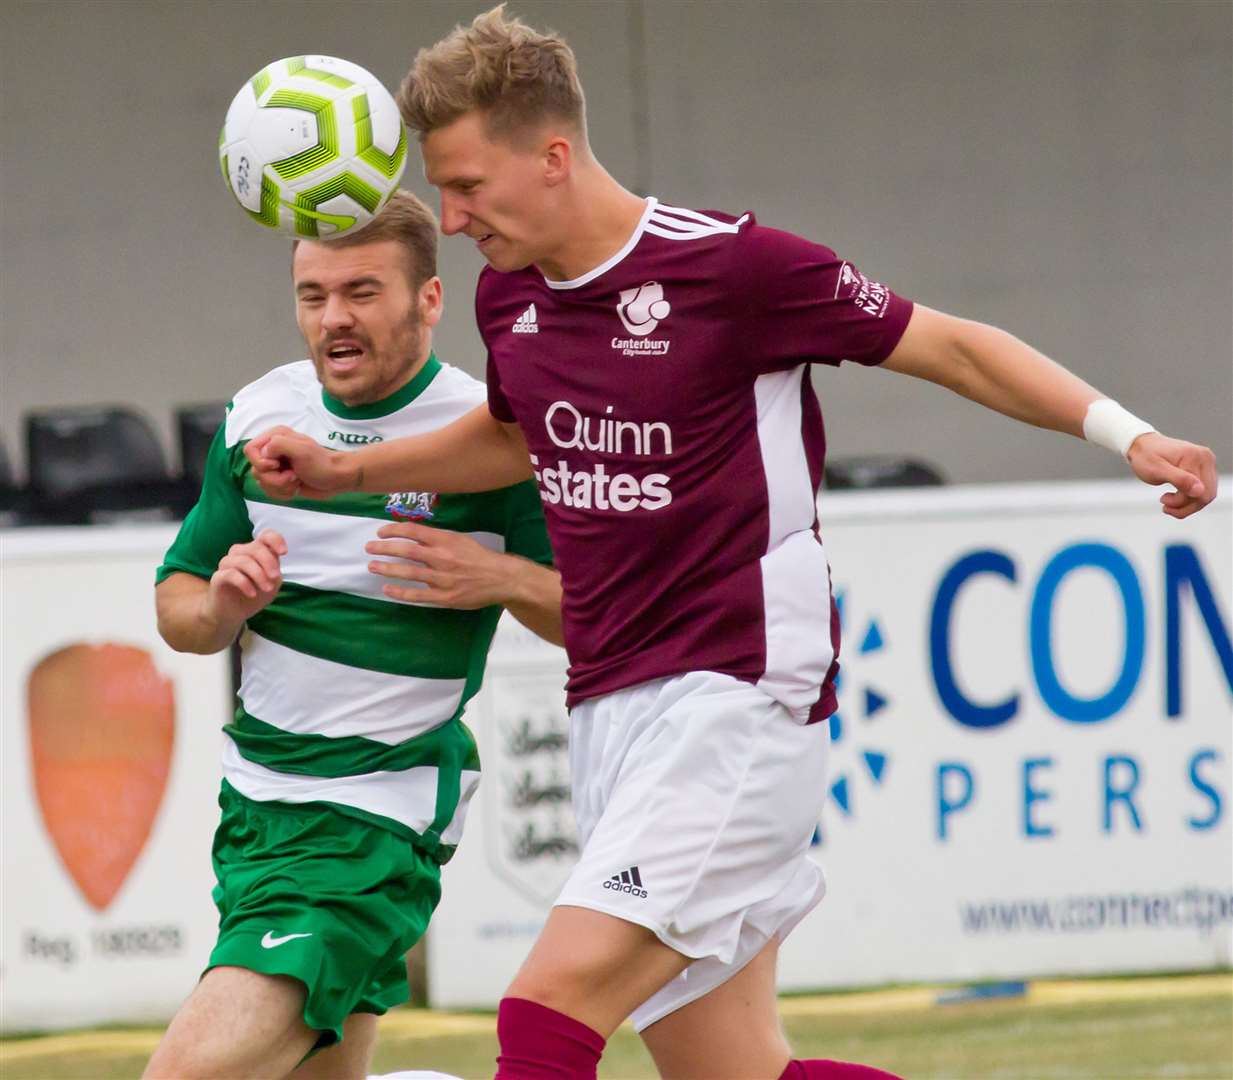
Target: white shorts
[(696, 798)]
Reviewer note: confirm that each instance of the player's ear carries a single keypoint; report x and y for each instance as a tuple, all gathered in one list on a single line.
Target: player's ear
[(558, 157), (430, 301)]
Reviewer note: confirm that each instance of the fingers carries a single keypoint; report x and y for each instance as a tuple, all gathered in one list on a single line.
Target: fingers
[(1207, 473), (1160, 470), (405, 540), (250, 571), (269, 456), (276, 479), (258, 451), (415, 594), (253, 567), (1191, 470), (246, 577), (273, 540), (1180, 506), (281, 443), (404, 571), (235, 580), (400, 549), (408, 530)]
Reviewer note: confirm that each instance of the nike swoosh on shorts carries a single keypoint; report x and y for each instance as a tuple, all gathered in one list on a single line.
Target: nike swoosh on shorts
[(269, 941)]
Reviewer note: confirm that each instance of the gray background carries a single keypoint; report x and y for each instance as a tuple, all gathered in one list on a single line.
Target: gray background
[(1061, 170)]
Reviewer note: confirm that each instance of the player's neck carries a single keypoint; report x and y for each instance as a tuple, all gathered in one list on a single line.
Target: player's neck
[(600, 216)]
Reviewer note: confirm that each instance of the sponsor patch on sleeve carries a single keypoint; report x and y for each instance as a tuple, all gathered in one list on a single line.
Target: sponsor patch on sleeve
[(871, 297)]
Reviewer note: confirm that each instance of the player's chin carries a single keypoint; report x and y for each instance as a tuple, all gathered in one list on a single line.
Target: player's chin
[(506, 261)]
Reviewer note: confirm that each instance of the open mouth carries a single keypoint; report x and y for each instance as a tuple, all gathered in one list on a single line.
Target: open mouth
[(343, 356)]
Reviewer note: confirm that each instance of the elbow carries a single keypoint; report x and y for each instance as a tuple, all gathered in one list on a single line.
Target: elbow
[(174, 639), (966, 346)]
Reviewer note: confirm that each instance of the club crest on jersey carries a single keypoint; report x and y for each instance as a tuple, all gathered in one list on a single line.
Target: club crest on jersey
[(411, 505), (641, 310)]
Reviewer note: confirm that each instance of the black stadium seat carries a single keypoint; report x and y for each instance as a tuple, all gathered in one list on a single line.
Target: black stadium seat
[(12, 494), (863, 473), (92, 464), (195, 428)]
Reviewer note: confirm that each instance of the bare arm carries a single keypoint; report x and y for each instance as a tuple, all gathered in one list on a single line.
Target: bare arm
[(475, 453), (455, 571), (200, 616), (997, 370)]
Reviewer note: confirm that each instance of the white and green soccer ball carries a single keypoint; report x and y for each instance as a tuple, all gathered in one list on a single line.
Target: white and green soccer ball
[(312, 146)]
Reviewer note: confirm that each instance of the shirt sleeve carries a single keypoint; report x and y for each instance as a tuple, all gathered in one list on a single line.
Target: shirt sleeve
[(804, 304), (218, 520), (525, 531)]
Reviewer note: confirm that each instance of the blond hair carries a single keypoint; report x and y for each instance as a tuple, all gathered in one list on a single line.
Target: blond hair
[(407, 220), (515, 76)]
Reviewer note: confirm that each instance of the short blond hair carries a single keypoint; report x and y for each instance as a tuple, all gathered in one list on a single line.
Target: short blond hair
[(517, 77), (406, 219)]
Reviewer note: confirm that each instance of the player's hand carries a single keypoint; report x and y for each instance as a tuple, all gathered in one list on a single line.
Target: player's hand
[(439, 567), (1191, 469), (287, 464), (247, 579)]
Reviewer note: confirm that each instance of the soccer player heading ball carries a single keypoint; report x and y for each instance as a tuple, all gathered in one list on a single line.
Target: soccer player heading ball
[(649, 365)]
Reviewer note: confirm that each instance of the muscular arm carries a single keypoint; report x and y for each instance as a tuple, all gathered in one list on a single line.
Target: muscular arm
[(475, 453), (996, 369), (992, 368)]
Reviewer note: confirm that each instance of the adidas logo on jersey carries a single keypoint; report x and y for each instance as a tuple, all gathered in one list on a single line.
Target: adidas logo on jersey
[(525, 323), (627, 881)]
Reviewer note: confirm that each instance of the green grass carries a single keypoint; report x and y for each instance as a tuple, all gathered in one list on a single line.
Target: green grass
[(1168, 1036), (1191, 1038)]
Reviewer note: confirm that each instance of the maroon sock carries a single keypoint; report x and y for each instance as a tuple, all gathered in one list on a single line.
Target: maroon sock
[(539, 1043), (833, 1070)]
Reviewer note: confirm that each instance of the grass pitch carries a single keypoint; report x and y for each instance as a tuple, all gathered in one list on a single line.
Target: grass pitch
[(1100, 1029)]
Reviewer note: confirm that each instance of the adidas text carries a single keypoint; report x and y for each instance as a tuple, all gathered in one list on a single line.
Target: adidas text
[(627, 881), (616, 886), (526, 322)]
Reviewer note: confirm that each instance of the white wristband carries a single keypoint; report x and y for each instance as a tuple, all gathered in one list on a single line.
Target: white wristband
[(1107, 424)]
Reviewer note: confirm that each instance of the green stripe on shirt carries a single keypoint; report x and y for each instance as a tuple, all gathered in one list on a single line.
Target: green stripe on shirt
[(379, 635)]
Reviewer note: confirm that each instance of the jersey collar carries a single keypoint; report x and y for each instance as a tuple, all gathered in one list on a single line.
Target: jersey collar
[(399, 399), (604, 267)]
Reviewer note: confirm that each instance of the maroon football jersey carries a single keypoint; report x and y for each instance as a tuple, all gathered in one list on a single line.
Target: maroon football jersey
[(678, 444)]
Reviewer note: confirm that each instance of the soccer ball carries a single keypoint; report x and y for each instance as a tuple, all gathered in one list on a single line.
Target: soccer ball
[(312, 146)]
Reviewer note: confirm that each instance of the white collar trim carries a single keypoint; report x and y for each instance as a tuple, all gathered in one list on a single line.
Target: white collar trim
[(604, 267)]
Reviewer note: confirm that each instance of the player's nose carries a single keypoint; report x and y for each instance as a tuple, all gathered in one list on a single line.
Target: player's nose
[(336, 313), (453, 220)]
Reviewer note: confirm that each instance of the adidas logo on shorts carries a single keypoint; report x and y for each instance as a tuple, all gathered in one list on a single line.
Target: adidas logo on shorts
[(627, 881), (526, 322)]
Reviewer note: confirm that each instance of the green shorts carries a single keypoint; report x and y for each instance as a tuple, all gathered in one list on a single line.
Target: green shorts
[(307, 891)]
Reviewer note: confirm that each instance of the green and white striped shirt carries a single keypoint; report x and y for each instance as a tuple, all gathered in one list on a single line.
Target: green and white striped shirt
[(348, 697)]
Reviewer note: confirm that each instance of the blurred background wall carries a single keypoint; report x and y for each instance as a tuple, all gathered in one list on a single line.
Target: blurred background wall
[(1060, 169)]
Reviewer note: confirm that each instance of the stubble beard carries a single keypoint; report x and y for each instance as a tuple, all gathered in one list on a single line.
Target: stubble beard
[(407, 343)]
